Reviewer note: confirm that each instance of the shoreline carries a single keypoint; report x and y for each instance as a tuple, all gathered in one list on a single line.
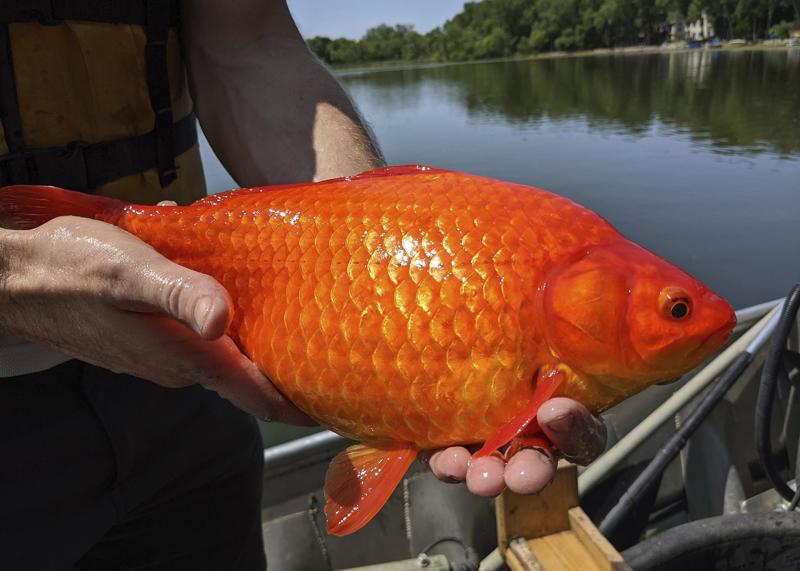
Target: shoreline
[(631, 50)]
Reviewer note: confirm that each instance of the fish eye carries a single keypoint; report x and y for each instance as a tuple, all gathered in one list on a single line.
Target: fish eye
[(675, 303), (680, 309)]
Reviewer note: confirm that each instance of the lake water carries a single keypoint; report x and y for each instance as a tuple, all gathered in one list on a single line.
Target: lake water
[(694, 155)]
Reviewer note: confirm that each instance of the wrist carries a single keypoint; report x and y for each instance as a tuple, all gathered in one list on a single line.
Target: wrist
[(9, 254), (6, 245)]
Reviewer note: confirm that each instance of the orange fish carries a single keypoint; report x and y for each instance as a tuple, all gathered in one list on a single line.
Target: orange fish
[(414, 308)]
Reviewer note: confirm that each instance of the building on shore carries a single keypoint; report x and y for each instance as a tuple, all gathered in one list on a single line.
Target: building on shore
[(697, 31)]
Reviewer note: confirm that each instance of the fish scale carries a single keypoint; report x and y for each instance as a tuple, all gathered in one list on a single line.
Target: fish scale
[(413, 308), (397, 263)]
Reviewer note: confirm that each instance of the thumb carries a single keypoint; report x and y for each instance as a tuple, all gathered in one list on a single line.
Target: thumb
[(196, 300), (575, 432)]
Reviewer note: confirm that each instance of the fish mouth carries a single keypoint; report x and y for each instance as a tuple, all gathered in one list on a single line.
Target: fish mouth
[(719, 337), (713, 342), (709, 345), (716, 340)]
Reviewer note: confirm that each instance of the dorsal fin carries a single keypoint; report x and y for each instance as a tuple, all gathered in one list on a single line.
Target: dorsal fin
[(359, 481), (380, 172), (220, 197), (396, 170)]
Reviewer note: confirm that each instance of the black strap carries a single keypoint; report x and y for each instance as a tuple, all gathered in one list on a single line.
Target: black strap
[(82, 166), (109, 11), (9, 107), (155, 54)]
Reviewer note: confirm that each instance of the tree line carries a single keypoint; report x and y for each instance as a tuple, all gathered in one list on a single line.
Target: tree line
[(502, 28)]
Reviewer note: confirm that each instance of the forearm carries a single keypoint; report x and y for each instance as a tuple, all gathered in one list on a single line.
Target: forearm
[(272, 112)]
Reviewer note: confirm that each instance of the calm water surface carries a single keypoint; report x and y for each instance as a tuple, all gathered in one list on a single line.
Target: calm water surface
[(696, 155)]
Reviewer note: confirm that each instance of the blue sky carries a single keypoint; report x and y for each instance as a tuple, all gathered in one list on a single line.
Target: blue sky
[(351, 18)]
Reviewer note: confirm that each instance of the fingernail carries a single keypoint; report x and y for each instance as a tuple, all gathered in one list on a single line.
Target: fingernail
[(562, 423), (543, 455), (201, 310)]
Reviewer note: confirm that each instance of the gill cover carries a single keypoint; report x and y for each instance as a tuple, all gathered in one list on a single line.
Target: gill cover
[(626, 318)]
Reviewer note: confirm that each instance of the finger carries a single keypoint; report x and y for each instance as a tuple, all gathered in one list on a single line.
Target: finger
[(133, 276), (450, 464), (237, 379), (196, 300), (155, 283), (485, 476), (181, 358), (167, 203), (578, 435), (529, 471)]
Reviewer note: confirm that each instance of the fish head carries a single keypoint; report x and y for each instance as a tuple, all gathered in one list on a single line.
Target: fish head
[(624, 318)]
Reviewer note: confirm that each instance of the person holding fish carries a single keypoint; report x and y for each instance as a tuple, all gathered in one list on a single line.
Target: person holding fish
[(103, 465)]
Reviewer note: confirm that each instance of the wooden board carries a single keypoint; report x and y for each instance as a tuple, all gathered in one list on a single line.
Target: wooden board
[(563, 551), (549, 531), (596, 544), (540, 514), (520, 556)]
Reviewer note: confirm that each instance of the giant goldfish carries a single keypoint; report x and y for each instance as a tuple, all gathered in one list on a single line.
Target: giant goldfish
[(413, 308)]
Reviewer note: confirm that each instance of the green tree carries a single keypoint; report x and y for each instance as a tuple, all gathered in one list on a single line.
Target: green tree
[(321, 46), (500, 28), (343, 51)]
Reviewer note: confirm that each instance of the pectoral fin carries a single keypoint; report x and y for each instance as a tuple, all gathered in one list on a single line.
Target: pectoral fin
[(359, 481), (525, 423)]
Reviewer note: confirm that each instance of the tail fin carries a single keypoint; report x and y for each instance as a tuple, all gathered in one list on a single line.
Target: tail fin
[(23, 207)]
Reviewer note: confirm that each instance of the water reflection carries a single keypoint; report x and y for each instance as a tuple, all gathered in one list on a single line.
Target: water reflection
[(695, 155), (745, 101)]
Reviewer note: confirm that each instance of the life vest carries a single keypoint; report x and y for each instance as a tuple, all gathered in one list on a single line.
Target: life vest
[(94, 97)]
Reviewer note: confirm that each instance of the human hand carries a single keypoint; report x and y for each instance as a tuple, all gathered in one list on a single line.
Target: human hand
[(97, 293), (578, 436)]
